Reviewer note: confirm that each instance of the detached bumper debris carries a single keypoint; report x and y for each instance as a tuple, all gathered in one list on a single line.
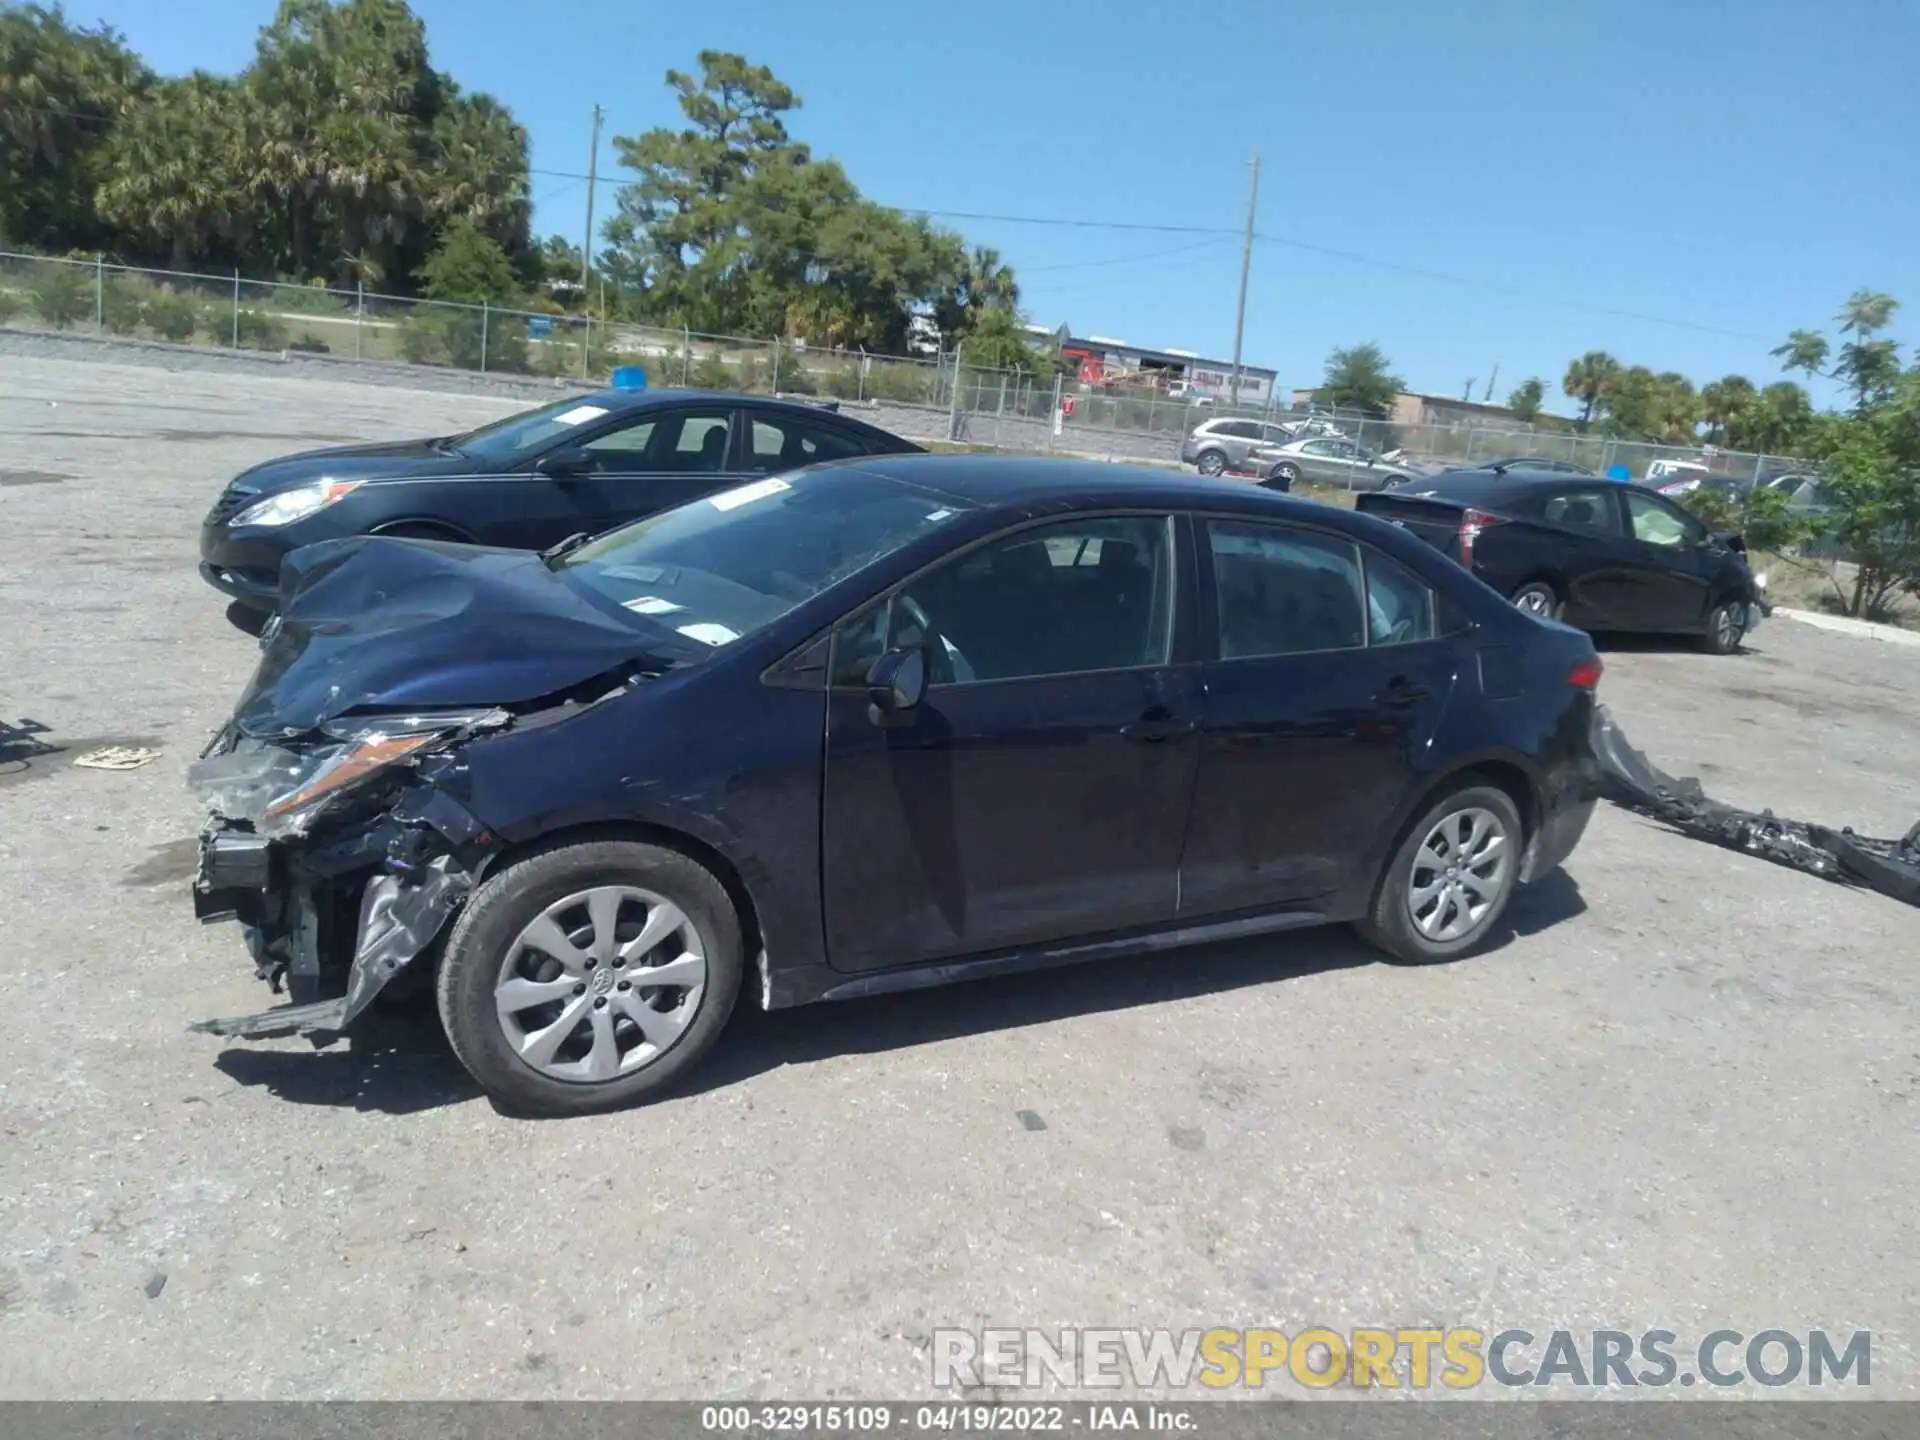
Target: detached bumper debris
[(1628, 779)]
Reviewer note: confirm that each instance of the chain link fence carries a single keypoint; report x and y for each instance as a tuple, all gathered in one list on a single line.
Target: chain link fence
[(921, 397)]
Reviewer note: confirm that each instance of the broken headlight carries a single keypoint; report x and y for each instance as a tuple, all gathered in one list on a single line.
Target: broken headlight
[(281, 791)]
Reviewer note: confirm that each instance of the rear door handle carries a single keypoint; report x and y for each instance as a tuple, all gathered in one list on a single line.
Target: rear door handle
[(1154, 731), (1402, 692)]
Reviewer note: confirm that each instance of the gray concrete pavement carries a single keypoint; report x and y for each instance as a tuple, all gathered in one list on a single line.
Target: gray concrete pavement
[(1683, 1093)]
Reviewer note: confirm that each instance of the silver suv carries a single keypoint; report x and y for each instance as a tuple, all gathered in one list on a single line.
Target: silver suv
[(1221, 445)]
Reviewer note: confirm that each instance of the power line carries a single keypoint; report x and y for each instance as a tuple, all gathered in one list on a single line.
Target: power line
[(1206, 244)]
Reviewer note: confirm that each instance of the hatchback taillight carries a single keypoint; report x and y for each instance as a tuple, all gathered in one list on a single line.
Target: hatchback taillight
[(1471, 524), (1586, 675)]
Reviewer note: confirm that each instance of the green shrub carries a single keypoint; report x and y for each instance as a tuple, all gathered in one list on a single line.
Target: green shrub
[(842, 382), (171, 317), (123, 306), (794, 377), (64, 295), (311, 344), (710, 372), (261, 331), (11, 304), (911, 383), (420, 342)]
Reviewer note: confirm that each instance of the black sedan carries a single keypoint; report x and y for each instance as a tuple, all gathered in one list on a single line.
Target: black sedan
[(871, 726), (1595, 553), (578, 466)]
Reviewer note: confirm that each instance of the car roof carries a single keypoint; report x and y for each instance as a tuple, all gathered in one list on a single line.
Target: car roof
[(624, 401), (1014, 482), (1483, 484)]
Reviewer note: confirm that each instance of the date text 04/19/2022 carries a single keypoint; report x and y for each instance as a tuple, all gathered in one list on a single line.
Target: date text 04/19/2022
[(942, 1419)]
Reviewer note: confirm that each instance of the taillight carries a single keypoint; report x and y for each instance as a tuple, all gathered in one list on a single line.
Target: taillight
[(1471, 524), (1586, 675)]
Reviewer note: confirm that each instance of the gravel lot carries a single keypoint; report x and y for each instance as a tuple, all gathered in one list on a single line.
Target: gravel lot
[(1683, 1094)]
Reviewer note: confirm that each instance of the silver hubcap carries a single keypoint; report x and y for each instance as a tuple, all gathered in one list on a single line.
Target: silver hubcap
[(1723, 626), (1459, 871), (601, 984), (1535, 602)]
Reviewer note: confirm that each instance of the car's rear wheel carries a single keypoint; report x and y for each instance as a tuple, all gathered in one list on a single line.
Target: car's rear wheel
[(1450, 878), (589, 976), (1287, 473), (1212, 462), (1725, 626), (1538, 597)]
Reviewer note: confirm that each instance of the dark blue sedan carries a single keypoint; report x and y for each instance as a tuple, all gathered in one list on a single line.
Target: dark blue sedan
[(578, 466), (869, 726)]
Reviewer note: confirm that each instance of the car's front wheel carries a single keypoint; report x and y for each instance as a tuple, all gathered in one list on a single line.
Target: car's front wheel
[(1287, 473), (1725, 626), (1449, 880), (1212, 462), (588, 976)]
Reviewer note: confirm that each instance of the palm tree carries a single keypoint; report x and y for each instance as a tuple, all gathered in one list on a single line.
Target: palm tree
[(1723, 402), (989, 282), (1587, 379), (478, 168), (171, 174)]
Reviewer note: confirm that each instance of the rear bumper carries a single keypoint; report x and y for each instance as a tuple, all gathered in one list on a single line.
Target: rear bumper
[(1557, 838)]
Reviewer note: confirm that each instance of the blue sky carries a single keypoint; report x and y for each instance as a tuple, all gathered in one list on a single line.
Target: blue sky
[(1533, 174)]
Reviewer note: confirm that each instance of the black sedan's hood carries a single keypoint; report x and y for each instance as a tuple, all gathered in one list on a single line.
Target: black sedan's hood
[(377, 623), (404, 458)]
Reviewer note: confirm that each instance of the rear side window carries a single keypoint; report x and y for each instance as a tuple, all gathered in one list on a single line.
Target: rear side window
[(1399, 604), (1282, 591), (1582, 510), (787, 442)]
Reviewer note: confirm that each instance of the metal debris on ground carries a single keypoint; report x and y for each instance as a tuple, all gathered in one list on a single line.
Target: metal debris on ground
[(1631, 781), (116, 757)]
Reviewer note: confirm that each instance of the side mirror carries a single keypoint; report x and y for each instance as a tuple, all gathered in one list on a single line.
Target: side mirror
[(895, 686), (1730, 540), (567, 461)]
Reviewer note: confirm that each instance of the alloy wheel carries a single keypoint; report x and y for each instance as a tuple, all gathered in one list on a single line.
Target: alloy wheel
[(1459, 874), (1726, 630), (600, 984), (1535, 600)]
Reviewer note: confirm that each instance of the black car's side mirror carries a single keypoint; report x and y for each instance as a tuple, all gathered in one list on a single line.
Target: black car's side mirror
[(895, 686), (564, 463)]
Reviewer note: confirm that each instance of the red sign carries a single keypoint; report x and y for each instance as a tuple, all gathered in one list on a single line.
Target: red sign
[(1066, 405)]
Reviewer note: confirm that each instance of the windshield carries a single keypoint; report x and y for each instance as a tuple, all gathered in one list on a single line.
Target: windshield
[(528, 431), (719, 568)]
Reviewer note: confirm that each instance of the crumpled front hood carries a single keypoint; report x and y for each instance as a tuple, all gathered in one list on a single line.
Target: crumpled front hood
[(377, 622)]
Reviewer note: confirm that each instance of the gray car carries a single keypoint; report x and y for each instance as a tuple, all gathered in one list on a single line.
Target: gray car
[(1346, 463), (1218, 446)]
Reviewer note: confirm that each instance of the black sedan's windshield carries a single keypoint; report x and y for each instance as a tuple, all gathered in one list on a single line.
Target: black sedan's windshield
[(522, 434), (720, 568)]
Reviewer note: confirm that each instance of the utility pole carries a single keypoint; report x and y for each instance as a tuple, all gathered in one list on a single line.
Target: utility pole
[(1246, 263), (586, 241)]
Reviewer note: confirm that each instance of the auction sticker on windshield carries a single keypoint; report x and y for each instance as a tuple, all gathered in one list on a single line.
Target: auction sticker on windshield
[(579, 415), (652, 605), (747, 494)]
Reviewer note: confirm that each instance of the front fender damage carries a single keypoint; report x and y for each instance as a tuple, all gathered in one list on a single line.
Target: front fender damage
[(1630, 780), (399, 917)]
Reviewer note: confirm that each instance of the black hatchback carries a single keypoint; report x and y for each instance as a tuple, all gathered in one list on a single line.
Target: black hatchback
[(576, 467), (869, 726), (1599, 554)]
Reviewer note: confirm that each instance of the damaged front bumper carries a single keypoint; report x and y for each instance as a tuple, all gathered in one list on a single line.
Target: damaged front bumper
[(334, 909), (1630, 780)]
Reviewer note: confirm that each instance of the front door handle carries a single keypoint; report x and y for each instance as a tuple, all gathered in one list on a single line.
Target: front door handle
[(1401, 692)]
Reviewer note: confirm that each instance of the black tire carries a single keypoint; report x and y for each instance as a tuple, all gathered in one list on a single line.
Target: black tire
[(512, 898), (1278, 483), (1389, 924), (1538, 597), (1726, 627), (1212, 462)]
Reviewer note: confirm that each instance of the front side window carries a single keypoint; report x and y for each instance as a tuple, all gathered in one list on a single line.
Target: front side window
[(1655, 524), (531, 431), (719, 568), (1282, 591), (1075, 596), (687, 441)]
